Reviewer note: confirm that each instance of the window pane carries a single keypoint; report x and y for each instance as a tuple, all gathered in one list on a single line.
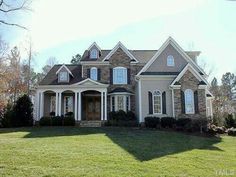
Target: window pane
[(93, 73), (120, 76), (157, 104), (63, 76), (189, 102), (53, 104), (120, 103)]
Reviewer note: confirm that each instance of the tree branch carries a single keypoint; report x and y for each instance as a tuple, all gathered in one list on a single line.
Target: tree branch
[(13, 24), (10, 9)]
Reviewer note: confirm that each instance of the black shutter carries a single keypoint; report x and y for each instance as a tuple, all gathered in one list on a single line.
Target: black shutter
[(164, 103), (99, 74), (128, 76), (88, 73), (111, 76), (182, 102), (196, 101), (150, 103)]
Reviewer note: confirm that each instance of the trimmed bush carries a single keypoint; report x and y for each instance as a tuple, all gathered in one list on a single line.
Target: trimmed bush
[(232, 132), (69, 114), (57, 121), (69, 121), (182, 122), (130, 115), (168, 122), (197, 125), (45, 121), (52, 114), (230, 121), (152, 122), (121, 118)]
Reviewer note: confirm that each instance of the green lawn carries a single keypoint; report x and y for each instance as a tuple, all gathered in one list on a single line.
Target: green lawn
[(73, 151)]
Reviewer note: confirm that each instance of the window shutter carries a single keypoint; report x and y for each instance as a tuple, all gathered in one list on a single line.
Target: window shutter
[(88, 73), (182, 102), (128, 76), (196, 101), (111, 76), (150, 103), (164, 103), (99, 74)]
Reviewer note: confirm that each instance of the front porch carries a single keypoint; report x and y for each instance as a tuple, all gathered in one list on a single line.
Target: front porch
[(86, 101)]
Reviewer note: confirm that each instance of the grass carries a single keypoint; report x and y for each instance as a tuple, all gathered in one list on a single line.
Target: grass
[(73, 151)]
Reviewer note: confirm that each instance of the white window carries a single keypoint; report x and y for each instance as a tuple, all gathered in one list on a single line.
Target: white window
[(63, 76), (189, 101), (53, 104), (170, 61), (68, 104), (119, 75), (120, 102), (94, 73), (93, 54), (157, 101)]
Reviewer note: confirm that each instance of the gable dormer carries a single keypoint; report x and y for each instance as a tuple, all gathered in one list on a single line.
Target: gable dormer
[(94, 51), (64, 74)]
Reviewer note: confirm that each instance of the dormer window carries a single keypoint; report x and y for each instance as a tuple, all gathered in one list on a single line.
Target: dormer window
[(93, 54), (63, 76), (170, 61)]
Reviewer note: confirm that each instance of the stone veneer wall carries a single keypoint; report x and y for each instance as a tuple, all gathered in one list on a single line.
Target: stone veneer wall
[(189, 81), (119, 58)]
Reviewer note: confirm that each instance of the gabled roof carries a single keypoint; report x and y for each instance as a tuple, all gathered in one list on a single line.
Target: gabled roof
[(171, 41), (52, 79), (64, 66), (190, 68), (120, 45), (88, 80), (94, 44)]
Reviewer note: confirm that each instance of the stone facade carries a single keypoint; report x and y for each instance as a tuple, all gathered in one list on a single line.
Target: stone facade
[(189, 81)]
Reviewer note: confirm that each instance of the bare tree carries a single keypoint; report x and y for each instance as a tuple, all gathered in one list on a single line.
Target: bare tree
[(8, 7)]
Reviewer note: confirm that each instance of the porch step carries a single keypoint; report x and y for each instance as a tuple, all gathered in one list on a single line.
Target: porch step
[(91, 123)]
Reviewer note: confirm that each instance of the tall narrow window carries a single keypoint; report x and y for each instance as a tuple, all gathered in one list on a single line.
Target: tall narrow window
[(93, 54), (189, 101), (157, 107), (120, 103), (120, 75), (113, 103), (53, 104), (94, 73), (68, 104), (170, 61), (63, 76), (127, 103)]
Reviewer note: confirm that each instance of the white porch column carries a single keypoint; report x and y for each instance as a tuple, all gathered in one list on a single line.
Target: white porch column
[(41, 104), (79, 108), (59, 110), (38, 106), (56, 113), (101, 105), (76, 106), (105, 112)]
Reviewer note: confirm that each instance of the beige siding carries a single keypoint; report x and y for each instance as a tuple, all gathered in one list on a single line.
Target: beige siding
[(151, 85), (160, 64)]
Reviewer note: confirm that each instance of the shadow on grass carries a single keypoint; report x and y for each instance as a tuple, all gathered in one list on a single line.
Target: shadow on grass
[(144, 145)]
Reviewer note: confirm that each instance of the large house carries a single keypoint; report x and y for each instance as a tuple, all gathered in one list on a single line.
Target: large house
[(163, 82)]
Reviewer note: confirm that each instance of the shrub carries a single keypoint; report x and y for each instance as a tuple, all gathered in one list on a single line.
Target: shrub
[(121, 115), (121, 118), (45, 121), (197, 125), (230, 121), (23, 112), (152, 122), (232, 132), (167, 122), (130, 115), (57, 121), (69, 114), (69, 121), (7, 116), (182, 122), (52, 114)]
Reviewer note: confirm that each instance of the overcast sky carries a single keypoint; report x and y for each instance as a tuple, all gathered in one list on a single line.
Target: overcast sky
[(65, 28)]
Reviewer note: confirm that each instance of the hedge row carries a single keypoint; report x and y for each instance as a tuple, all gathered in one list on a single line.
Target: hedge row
[(57, 121), (186, 124)]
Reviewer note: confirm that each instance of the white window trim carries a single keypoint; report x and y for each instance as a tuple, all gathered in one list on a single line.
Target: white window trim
[(96, 77), (169, 58), (94, 55), (65, 103), (124, 102), (153, 102), (51, 104), (59, 76), (114, 75), (185, 100)]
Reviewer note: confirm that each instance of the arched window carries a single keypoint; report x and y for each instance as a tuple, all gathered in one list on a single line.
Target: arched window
[(94, 73), (119, 75), (157, 101), (93, 54), (170, 61), (189, 101)]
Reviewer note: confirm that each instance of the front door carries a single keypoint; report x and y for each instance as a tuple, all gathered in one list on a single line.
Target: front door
[(92, 108)]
